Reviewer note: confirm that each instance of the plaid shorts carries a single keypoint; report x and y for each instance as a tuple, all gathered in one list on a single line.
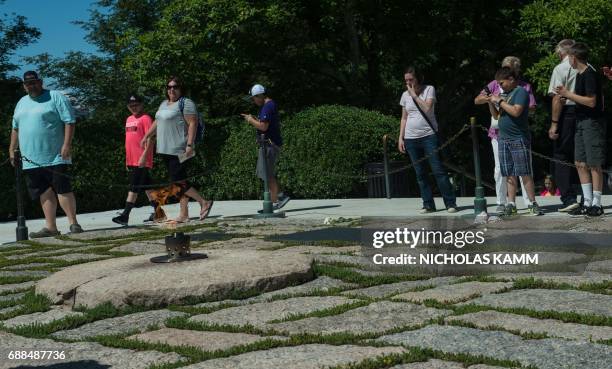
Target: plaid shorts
[(514, 157)]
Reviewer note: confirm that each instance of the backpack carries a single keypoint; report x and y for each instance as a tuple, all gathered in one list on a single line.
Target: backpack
[(201, 126)]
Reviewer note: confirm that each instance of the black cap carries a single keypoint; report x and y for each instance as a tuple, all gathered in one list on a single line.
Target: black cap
[(134, 98), (30, 76)]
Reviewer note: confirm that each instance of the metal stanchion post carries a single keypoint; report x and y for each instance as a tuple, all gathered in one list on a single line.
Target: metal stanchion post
[(480, 203), (268, 211), (386, 164), (22, 230)]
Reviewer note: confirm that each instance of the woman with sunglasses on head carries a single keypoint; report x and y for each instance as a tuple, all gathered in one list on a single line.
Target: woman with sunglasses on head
[(176, 124)]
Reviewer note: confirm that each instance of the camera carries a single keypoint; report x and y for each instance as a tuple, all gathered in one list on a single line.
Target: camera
[(487, 90)]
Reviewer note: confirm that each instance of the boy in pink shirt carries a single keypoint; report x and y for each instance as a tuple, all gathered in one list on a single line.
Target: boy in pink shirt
[(138, 161)]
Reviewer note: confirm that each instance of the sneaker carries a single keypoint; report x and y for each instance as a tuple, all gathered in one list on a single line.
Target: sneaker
[(580, 211), (510, 210), (595, 211), (569, 207), (45, 232), (76, 228), (452, 209), (534, 209), (500, 209), (282, 201), (121, 219), (152, 218), (427, 210)]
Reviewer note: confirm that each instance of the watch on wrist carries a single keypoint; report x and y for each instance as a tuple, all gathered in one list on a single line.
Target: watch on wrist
[(189, 145)]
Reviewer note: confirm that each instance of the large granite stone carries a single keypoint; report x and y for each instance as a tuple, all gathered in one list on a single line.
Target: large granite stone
[(79, 257), (299, 357), (440, 364), (384, 290), (455, 292), (556, 300), (12, 296), (543, 354), (40, 318), (377, 317), (571, 279), (525, 324), (81, 355), (603, 266), (261, 313), (143, 247), (135, 280), (56, 241), (206, 341), (123, 324)]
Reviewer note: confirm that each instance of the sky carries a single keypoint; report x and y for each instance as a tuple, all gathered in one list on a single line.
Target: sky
[(53, 19)]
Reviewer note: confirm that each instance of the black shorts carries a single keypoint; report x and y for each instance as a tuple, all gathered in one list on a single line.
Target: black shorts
[(176, 170), (39, 180), (139, 177)]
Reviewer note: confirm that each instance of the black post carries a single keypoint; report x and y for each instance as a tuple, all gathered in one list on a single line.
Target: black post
[(480, 203), (386, 166), (22, 230)]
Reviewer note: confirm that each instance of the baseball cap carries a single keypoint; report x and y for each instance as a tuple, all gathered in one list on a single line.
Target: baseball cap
[(134, 98), (257, 90), (30, 76)]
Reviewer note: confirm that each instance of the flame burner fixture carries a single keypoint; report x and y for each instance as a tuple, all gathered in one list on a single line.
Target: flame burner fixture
[(178, 249)]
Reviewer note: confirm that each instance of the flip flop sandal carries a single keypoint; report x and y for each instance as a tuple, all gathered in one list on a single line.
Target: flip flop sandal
[(204, 212)]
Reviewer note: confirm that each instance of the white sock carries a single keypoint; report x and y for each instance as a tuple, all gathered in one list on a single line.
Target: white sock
[(596, 198), (587, 193)]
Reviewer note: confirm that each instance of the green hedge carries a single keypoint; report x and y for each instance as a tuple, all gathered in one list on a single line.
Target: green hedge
[(324, 147)]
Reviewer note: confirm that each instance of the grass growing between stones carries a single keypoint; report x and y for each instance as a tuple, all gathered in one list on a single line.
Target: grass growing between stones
[(182, 322), (566, 317), (102, 311), (349, 276), (30, 303), (417, 354), (26, 289), (18, 279), (336, 310), (492, 327), (534, 283)]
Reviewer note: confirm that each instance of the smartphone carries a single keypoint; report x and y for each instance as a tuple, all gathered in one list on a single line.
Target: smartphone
[(487, 90)]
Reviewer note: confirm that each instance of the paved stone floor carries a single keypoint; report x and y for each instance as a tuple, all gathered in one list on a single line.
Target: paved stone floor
[(349, 313)]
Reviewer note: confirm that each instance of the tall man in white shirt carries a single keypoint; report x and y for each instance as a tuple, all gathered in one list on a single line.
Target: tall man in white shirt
[(563, 126)]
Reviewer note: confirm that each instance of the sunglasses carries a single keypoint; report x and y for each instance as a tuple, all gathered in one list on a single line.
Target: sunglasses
[(173, 87)]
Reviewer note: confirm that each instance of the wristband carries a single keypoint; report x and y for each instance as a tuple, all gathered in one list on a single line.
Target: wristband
[(555, 122)]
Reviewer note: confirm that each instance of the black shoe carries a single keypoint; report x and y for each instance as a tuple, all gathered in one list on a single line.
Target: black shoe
[(580, 211), (121, 219), (595, 211), (282, 201)]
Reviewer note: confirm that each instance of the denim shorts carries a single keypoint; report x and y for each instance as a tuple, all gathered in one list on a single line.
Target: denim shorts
[(514, 157)]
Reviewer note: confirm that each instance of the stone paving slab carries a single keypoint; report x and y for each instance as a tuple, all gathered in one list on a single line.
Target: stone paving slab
[(123, 324), (81, 355), (574, 280), (455, 292), (136, 280), (143, 247), (261, 313), (13, 245), (243, 243), (56, 241), (206, 341), (360, 261), (322, 250), (109, 233), (40, 318), (79, 257), (525, 324), (440, 364), (543, 354), (10, 309), (580, 302), (383, 290), (265, 227), (12, 296), (45, 253), (24, 273), (16, 286), (603, 266), (313, 356), (26, 266), (377, 317)]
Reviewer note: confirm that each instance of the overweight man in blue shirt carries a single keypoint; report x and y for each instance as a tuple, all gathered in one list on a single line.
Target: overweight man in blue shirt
[(43, 127)]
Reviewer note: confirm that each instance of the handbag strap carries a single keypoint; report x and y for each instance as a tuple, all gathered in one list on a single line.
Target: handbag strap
[(425, 116)]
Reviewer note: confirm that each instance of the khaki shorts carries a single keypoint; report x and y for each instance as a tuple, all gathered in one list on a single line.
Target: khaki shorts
[(273, 152), (590, 142)]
